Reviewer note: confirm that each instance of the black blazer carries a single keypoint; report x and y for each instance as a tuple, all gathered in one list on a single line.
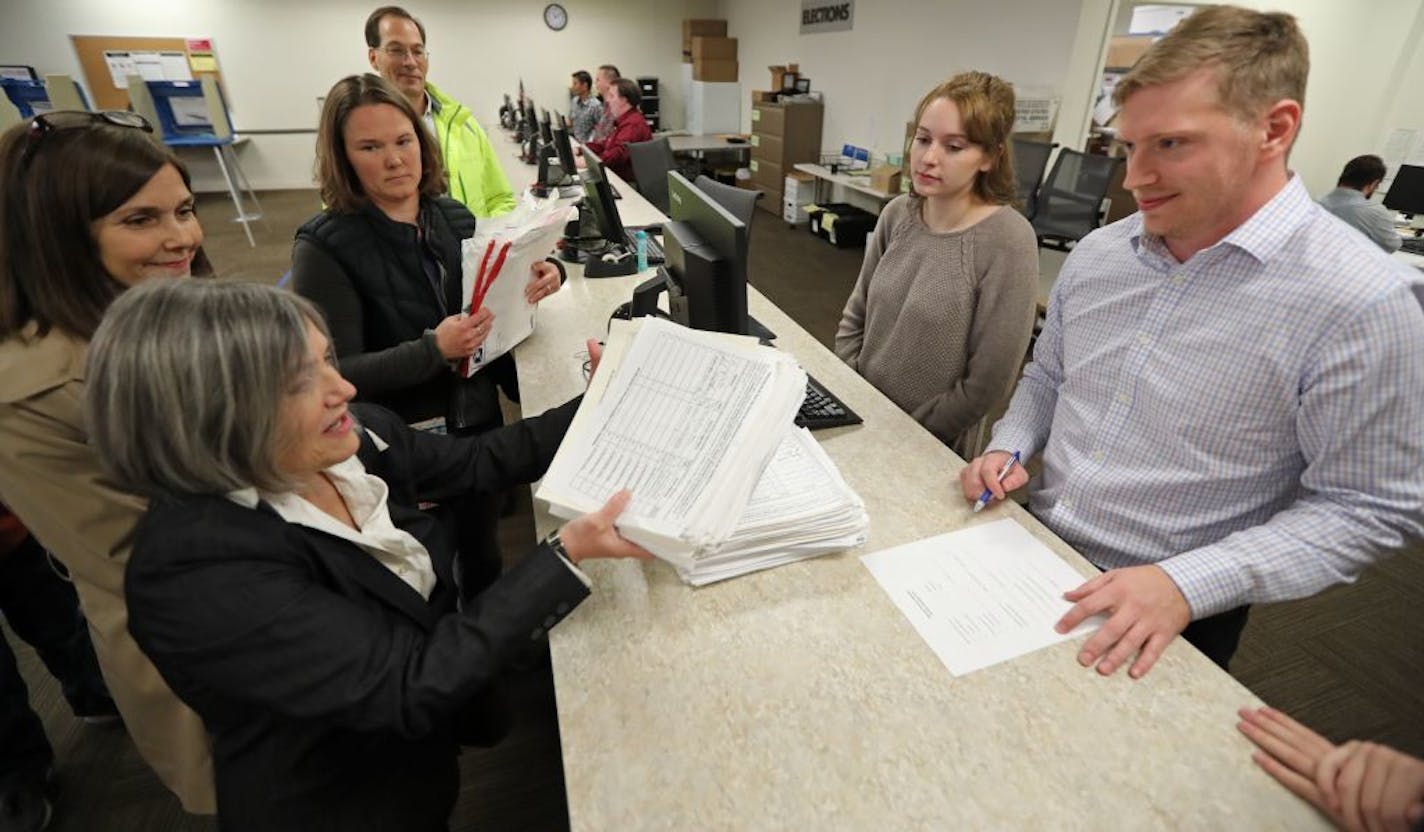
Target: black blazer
[(331, 688)]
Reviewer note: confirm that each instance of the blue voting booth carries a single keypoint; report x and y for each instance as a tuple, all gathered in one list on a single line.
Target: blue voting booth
[(32, 97), (194, 114)]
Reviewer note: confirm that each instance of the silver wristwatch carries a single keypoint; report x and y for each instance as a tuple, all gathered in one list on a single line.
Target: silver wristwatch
[(557, 545)]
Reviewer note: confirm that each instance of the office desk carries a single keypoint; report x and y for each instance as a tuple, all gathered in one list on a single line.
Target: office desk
[(860, 184), (704, 144), (632, 207), (801, 698)]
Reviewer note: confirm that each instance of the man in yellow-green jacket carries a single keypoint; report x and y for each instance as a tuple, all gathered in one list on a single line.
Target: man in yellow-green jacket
[(395, 43)]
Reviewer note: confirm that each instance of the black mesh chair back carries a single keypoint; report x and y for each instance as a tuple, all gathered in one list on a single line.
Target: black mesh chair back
[(740, 202), (651, 163), (1030, 161), (1069, 203)]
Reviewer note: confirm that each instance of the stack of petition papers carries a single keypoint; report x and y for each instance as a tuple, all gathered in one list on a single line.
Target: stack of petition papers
[(699, 426)]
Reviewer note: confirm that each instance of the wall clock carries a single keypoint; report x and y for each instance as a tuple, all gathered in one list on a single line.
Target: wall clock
[(555, 17)]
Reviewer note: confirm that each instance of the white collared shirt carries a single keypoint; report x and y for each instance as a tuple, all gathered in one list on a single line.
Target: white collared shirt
[(1247, 420), (431, 108), (365, 496)]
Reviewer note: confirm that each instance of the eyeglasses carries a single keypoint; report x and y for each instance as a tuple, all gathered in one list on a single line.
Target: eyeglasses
[(400, 53), (45, 123)]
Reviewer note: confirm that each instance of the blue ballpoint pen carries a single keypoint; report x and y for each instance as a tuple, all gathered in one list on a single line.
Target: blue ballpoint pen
[(989, 495)]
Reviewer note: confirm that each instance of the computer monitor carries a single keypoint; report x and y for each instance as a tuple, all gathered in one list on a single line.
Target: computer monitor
[(529, 137), (528, 123), (546, 132), (1406, 193), (565, 150), (706, 252), (507, 118), (615, 259), (598, 197), (556, 159)]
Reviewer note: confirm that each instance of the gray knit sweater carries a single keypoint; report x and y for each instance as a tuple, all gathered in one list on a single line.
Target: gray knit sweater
[(940, 322)]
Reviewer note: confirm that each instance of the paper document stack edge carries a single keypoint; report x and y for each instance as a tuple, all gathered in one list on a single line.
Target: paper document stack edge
[(699, 426)]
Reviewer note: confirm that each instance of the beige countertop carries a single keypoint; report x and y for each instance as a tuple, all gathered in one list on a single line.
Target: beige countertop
[(800, 697)]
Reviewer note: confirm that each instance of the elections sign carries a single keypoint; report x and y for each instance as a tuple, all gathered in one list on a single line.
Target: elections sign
[(819, 16)]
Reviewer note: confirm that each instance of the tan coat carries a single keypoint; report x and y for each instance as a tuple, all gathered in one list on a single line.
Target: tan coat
[(51, 480)]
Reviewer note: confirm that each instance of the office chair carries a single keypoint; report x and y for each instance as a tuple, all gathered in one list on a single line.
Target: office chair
[(1069, 203), (651, 163), (741, 202), (1030, 161)]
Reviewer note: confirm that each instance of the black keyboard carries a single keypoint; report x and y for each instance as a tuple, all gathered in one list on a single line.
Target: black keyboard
[(821, 409), (655, 251), (1413, 245)]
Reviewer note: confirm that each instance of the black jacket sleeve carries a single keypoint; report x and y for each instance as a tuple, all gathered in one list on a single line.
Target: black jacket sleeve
[(421, 466), (320, 279), (239, 609)]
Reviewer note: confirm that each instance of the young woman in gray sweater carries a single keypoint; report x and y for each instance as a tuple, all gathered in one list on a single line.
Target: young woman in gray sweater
[(942, 313)]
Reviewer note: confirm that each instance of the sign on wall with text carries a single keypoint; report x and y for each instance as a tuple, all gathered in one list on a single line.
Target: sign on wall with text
[(819, 16)]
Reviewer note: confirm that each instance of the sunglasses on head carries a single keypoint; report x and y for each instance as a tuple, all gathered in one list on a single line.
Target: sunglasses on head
[(45, 123)]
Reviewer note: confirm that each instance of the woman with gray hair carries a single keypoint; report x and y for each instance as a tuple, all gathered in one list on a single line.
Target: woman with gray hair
[(284, 581)]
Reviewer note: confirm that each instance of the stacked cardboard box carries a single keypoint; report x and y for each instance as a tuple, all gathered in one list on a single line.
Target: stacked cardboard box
[(1124, 50), (799, 190), (700, 28), (714, 59)]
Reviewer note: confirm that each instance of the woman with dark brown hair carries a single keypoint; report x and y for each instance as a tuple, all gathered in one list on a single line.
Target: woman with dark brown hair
[(942, 313), (383, 264), (89, 206)]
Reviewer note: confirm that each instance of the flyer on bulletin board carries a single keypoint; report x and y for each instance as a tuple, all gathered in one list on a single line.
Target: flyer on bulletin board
[(200, 55)]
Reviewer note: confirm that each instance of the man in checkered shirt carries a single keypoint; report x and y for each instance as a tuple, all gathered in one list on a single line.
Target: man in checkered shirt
[(1228, 393)]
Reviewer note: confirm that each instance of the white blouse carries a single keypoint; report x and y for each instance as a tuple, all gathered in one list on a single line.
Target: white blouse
[(366, 497)]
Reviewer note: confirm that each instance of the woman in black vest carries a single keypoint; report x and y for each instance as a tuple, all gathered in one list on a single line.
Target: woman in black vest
[(382, 262)]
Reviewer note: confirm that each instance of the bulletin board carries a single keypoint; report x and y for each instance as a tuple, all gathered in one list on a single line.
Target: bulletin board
[(91, 49)]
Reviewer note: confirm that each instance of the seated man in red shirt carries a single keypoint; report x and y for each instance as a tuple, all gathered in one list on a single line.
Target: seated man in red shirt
[(628, 126)]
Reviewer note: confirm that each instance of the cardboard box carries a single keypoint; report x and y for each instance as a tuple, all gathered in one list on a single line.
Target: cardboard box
[(778, 75), (1124, 50), (886, 178), (701, 28), (798, 187), (714, 70), (792, 212), (714, 49), (763, 96)]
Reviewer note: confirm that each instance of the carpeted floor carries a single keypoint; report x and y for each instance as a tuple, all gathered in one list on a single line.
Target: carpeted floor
[(1349, 662)]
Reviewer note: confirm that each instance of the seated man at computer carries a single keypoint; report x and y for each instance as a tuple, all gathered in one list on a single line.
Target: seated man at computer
[(602, 80), (1350, 201), (396, 48), (628, 126), (585, 110)]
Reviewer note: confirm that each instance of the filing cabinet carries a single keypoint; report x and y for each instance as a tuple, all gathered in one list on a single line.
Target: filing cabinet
[(783, 135)]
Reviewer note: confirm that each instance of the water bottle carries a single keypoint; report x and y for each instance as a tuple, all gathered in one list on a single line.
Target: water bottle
[(640, 238)]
